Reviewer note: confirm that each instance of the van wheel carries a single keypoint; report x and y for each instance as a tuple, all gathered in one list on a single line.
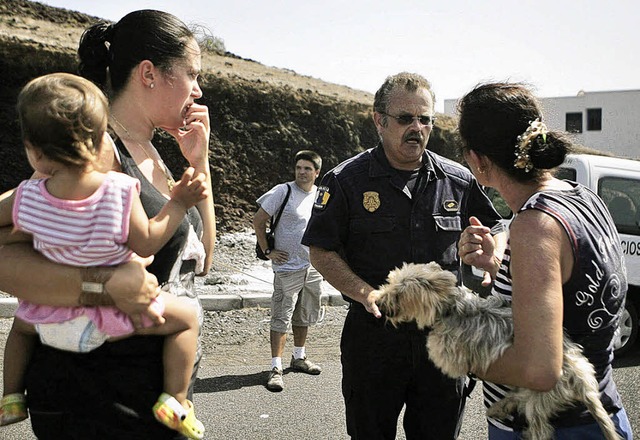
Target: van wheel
[(627, 331)]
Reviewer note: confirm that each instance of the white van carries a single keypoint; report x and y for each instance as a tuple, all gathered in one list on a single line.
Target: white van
[(617, 182)]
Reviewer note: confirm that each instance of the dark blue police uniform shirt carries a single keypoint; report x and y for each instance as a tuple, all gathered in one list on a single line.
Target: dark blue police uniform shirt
[(364, 211)]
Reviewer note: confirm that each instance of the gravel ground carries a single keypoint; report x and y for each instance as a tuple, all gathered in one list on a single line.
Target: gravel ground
[(237, 336)]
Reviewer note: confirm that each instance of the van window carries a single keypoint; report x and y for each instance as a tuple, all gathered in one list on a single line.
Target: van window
[(622, 197)]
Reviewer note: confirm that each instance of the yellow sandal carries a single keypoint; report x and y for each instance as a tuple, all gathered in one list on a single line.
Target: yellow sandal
[(171, 413), (13, 409)]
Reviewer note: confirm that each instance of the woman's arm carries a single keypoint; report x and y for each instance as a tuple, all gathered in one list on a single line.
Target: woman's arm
[(6, 208), (206, 208), (540, 263), (8, 234), (28, 275), (55, 285), (193, 139)]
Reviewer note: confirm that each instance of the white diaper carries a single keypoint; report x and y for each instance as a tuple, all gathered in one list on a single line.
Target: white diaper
[(79, 335)]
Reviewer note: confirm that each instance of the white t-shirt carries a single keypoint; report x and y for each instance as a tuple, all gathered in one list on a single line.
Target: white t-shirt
[(292, 223)]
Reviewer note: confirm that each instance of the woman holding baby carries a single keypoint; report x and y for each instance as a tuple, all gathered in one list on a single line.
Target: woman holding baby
[(148, 63)]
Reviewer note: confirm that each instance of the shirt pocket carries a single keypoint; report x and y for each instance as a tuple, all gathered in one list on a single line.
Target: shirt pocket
[(375, 246), (448, 223), (445, 240), (373, 225), (367, 236)]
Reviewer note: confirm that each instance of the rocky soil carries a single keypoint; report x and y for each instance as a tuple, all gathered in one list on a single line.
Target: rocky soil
[(241, 337), (260, 115)]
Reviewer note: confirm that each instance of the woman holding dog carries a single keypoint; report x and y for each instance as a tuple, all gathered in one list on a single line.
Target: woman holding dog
[(563, 267)]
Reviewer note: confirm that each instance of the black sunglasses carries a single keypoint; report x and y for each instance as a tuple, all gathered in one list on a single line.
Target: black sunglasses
[(408, 119)]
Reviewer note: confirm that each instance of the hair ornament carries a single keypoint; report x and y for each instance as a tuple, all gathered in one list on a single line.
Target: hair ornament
[(536, 128), (108, 37)]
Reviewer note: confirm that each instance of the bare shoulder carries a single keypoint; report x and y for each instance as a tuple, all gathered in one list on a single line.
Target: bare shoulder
[(533, 226)]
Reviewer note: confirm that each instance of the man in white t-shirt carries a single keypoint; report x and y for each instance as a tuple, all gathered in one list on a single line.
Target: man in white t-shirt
[(297, 286)]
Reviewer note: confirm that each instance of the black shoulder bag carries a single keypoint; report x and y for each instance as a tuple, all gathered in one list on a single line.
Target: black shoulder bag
[(271, 240)]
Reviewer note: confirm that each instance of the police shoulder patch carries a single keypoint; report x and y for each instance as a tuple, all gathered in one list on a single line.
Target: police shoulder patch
[(322, 197)]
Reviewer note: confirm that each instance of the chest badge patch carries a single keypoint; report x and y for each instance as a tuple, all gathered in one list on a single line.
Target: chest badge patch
[(450, 205), (371, 200), (322, 197)]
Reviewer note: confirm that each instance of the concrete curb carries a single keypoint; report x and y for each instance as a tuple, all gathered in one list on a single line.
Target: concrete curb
[(221, 302)]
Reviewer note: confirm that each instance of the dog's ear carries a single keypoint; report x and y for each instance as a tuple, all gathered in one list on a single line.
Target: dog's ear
[(441, 279)]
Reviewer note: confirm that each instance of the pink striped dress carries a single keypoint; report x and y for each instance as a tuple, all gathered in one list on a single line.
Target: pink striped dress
[(84, 233)]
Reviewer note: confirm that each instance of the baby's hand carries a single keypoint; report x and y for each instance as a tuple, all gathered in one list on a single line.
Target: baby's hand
[(190, 190)]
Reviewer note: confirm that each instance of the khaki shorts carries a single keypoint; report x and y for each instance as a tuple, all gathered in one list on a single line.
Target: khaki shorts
[(296, 299)]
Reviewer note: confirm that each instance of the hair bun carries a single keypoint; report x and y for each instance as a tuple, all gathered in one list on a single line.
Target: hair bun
[(548, 153)]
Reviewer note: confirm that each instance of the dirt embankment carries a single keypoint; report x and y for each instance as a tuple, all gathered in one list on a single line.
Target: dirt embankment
[(260, 115)]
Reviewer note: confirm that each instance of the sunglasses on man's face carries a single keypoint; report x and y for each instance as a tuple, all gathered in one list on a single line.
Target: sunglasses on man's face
[(407, 119)]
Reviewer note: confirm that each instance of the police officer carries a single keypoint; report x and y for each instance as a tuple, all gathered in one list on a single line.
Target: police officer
[(392, 204)]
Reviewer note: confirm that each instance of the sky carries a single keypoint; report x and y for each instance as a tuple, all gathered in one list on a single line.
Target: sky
[(559, 47)]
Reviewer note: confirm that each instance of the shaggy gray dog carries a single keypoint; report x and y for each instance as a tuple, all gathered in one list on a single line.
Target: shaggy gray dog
[(469, 332)]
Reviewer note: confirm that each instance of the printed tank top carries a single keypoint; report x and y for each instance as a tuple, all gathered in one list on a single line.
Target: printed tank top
[(593, 298)]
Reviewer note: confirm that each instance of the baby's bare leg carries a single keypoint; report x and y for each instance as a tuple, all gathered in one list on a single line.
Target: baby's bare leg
[(17, 354), (180, 345)]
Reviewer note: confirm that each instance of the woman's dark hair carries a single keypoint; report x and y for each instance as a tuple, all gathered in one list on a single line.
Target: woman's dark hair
[(493, 115), (108, 52)]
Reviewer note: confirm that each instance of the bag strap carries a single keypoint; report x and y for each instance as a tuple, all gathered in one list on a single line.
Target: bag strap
[(274, 222)]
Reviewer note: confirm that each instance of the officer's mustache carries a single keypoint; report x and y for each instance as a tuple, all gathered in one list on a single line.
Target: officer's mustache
[(413, 137)]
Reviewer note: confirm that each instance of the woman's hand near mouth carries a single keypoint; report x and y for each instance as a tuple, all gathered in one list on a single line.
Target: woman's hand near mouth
[(193, 136)]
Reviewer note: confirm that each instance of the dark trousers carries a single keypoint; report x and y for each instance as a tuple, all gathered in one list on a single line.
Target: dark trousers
[(384, 369), (106, 394)]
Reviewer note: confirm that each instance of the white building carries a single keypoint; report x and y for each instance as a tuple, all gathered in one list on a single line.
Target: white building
[(605, 121)]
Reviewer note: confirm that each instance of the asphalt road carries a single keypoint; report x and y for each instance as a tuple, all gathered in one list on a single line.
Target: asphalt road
[(311, 407), (234, 404)]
